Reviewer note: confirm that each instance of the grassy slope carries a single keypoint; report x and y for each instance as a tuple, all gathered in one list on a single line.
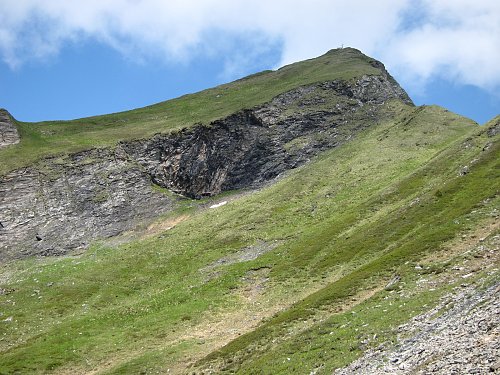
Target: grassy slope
[(48, 138), (344, 223), (442, 204)]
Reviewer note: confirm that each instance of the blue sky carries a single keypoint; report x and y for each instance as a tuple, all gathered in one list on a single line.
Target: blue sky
[(67, 59)]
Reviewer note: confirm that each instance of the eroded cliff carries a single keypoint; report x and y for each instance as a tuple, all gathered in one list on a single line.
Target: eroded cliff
[(63, 203), (8, 132)]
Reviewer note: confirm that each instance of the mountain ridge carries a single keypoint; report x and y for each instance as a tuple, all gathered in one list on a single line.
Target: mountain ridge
[(53, 138), (244, 150)]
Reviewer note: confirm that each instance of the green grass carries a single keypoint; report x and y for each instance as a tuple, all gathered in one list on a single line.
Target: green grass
[(42, 139), (405, 236), (345, 222), (336, 341)]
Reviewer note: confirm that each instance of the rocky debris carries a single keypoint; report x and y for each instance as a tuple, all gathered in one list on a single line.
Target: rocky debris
[(391, 284), (246, 254), (459, 336), (61, 204), (4, 291), (464, 170), (8, 131)]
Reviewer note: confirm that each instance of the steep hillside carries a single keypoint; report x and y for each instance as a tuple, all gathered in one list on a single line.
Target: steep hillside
[(291, 233), (8, 131), (61, 203), (49, 138)]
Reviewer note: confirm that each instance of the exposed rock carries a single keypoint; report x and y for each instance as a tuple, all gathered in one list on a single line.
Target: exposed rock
[(464, 339), (464, 170), (245, 254), (8, 131), (253, 146), (61, 204), (494, 129), (390, 285)]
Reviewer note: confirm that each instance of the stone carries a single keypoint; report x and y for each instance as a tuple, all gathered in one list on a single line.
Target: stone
[(8, 131), (451, 342)]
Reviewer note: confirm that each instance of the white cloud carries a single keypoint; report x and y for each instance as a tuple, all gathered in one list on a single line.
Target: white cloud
[(455, 39), (458, 40)]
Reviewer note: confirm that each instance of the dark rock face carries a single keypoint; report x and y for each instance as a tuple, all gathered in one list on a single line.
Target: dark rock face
[(253, 146), (62, 204), (8, 132)]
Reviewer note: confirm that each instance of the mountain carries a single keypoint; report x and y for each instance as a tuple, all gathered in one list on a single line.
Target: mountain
[(64, 201), (294, 221)]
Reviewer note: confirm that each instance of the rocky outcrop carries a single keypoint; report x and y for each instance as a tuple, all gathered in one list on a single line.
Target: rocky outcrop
[(64, 203), (8, 131), (493, 127), (253, 146)]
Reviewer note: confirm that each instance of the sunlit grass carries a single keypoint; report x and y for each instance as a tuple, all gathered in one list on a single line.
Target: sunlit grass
[(354, 216)]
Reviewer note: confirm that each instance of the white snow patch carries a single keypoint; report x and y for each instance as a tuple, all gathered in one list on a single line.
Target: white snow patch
[(218, 204)]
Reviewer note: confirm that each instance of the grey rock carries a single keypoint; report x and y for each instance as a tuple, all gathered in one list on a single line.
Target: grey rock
[(494, 130), (254, 146), (396, 279), (452, 343), (8, 131), (61, 204)]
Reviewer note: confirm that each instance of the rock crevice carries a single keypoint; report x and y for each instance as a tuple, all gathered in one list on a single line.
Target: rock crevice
[(253, 146)]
